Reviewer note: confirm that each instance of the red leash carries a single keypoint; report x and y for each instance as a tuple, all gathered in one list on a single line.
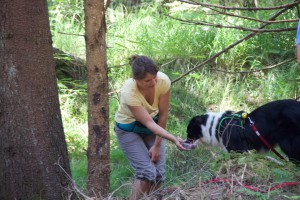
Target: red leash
[(263, 139), (278, 186)]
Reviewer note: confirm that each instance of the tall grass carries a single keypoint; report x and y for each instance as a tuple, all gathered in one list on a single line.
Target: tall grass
[(67, 26), (177, 48)]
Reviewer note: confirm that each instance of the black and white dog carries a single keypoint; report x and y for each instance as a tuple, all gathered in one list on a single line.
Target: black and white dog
[(277, 122)]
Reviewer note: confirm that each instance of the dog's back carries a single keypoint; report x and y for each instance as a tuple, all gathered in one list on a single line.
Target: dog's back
[(279, 123)]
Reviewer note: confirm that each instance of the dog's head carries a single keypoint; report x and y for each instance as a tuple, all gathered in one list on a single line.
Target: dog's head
[(195, 128), (202, 129)]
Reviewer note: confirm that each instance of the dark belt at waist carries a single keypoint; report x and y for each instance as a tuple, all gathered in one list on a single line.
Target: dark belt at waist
[(132, 127), (136, 127), (126, 127)]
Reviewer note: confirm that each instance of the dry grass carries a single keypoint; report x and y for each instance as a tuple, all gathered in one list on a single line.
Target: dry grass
[(212, 174), (234, 176)]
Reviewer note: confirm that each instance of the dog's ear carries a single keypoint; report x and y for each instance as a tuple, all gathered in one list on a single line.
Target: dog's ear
[(194, 130), (200, 119)]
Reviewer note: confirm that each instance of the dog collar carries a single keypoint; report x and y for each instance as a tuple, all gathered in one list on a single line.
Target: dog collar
[(234, 116)]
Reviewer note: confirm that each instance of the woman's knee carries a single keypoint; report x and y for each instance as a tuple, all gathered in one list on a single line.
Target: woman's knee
[(151, 175), (146, 174)]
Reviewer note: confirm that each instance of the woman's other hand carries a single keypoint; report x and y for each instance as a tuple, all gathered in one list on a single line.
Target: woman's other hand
[(154, 153)]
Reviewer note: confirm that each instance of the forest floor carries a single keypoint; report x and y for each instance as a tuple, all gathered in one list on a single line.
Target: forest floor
[(238, 177), (227, 189)]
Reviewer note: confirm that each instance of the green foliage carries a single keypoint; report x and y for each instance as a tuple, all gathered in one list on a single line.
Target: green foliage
[(73, 99), (73, 105), (185, 169), (67, 26), (254, 167), (122, 174), (79, 171)]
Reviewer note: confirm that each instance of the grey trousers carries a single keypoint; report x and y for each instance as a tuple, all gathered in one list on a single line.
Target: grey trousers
[(136, 149)]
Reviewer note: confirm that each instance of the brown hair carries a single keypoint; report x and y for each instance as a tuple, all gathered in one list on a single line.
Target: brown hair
[(141, 65)]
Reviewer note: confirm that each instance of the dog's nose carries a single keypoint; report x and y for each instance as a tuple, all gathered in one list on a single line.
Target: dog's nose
[(189, 141), (188, 145)]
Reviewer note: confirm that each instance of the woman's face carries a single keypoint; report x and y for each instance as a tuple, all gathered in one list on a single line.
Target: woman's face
[(148, 82)]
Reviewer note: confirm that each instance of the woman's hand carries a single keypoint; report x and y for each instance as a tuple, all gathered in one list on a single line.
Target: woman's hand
[(178, 142), (154, 153)]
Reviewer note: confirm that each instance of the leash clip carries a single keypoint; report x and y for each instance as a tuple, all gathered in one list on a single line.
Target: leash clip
[(251, 122)]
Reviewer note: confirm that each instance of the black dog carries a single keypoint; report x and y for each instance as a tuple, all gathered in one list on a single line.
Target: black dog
[(277, 122)]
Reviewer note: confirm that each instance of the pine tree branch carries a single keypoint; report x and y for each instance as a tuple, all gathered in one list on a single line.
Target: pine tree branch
[(241, 8), (253, 19), (190, 22)]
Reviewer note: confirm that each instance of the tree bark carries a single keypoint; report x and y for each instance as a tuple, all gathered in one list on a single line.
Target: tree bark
[(32, 140), (98, 109)]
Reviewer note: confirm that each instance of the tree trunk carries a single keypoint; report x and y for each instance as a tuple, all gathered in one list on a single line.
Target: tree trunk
[(98, 122), (32, 140)]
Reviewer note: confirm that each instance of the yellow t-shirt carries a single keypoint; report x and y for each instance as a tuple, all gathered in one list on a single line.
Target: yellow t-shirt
[(130, 96)]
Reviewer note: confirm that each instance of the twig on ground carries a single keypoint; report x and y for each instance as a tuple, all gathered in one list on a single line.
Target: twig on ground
[(73, 184)]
